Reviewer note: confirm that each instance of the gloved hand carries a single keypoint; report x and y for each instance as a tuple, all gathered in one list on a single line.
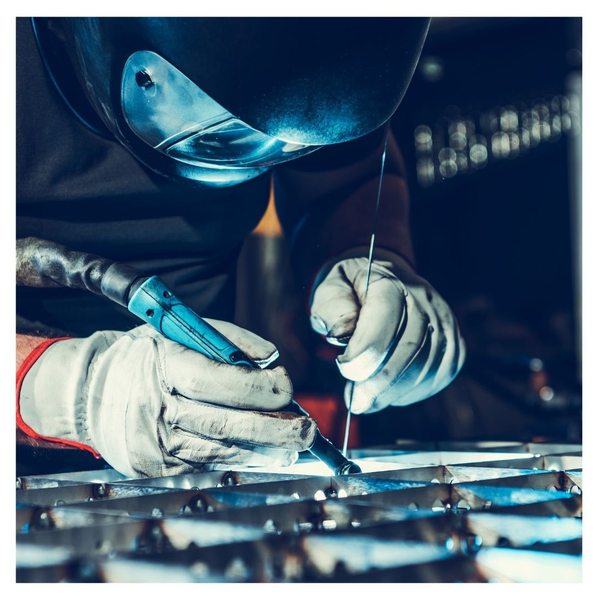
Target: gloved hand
[(151, 407), (403, 342)]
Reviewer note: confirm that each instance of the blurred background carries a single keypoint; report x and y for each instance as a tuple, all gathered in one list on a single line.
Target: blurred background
[(490, 130)]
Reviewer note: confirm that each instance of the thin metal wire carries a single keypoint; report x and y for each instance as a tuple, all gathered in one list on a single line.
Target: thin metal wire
[(348, 418), (370, 263)]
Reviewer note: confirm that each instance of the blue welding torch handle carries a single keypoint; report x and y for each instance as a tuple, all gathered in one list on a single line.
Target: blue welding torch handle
[(154, 303)]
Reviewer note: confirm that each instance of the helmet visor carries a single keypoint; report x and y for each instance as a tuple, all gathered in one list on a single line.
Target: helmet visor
[(173, 115)]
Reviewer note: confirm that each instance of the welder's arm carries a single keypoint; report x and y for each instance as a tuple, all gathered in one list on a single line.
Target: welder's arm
[(151, 407), (25, 344), (403, 342)]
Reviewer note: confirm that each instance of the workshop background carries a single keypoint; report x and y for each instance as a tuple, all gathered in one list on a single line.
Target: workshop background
[(490, 130)]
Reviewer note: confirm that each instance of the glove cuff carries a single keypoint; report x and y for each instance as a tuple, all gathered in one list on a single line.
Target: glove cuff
[(36, 415)]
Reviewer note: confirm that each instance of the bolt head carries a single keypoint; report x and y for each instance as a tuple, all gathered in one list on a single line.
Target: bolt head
[(144, 79)]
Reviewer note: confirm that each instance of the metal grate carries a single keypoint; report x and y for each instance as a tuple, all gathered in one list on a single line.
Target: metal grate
[(464, 512)]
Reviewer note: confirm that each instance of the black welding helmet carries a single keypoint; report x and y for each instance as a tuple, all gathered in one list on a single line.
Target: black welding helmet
[(221, 100)]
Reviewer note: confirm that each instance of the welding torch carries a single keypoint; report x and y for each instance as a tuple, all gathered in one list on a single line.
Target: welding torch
[(41, 263)]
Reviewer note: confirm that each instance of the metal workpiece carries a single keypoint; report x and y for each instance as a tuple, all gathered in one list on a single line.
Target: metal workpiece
[(576, 477), (322, 488), (310, 516), (433, 512), (103, 538), (211, 479), (515, 531), (550, 462), (161, 503), (451, 457), (451, 474), (87, 492), (486, 497), (32, 519), (42, 564)]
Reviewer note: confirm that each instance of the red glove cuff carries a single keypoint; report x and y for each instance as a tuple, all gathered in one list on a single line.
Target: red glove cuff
[(21, 373)]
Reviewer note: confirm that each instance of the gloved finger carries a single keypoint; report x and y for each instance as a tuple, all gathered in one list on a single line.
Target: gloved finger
[(446, 355), (453, 354), (334, 307), (258, 349), (435, 366), (278, 429), (399, 376), (381, 317), (198, 451), (193, 375), (435, 381)]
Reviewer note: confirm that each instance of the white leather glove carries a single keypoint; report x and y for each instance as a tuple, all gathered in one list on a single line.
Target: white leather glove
[(151, 407), (403, 342)]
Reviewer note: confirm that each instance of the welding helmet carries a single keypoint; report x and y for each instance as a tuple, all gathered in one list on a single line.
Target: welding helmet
[(218, 101)]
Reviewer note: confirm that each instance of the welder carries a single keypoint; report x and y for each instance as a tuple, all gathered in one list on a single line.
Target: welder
[(154, 142)]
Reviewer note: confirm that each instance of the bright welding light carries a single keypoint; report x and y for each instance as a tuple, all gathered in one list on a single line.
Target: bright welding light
[(317, 468)]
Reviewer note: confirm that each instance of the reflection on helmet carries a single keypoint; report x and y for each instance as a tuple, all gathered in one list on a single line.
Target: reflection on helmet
[(172, 114)]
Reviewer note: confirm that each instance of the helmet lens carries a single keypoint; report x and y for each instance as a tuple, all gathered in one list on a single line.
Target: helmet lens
[(233, 143), (172, 114)]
